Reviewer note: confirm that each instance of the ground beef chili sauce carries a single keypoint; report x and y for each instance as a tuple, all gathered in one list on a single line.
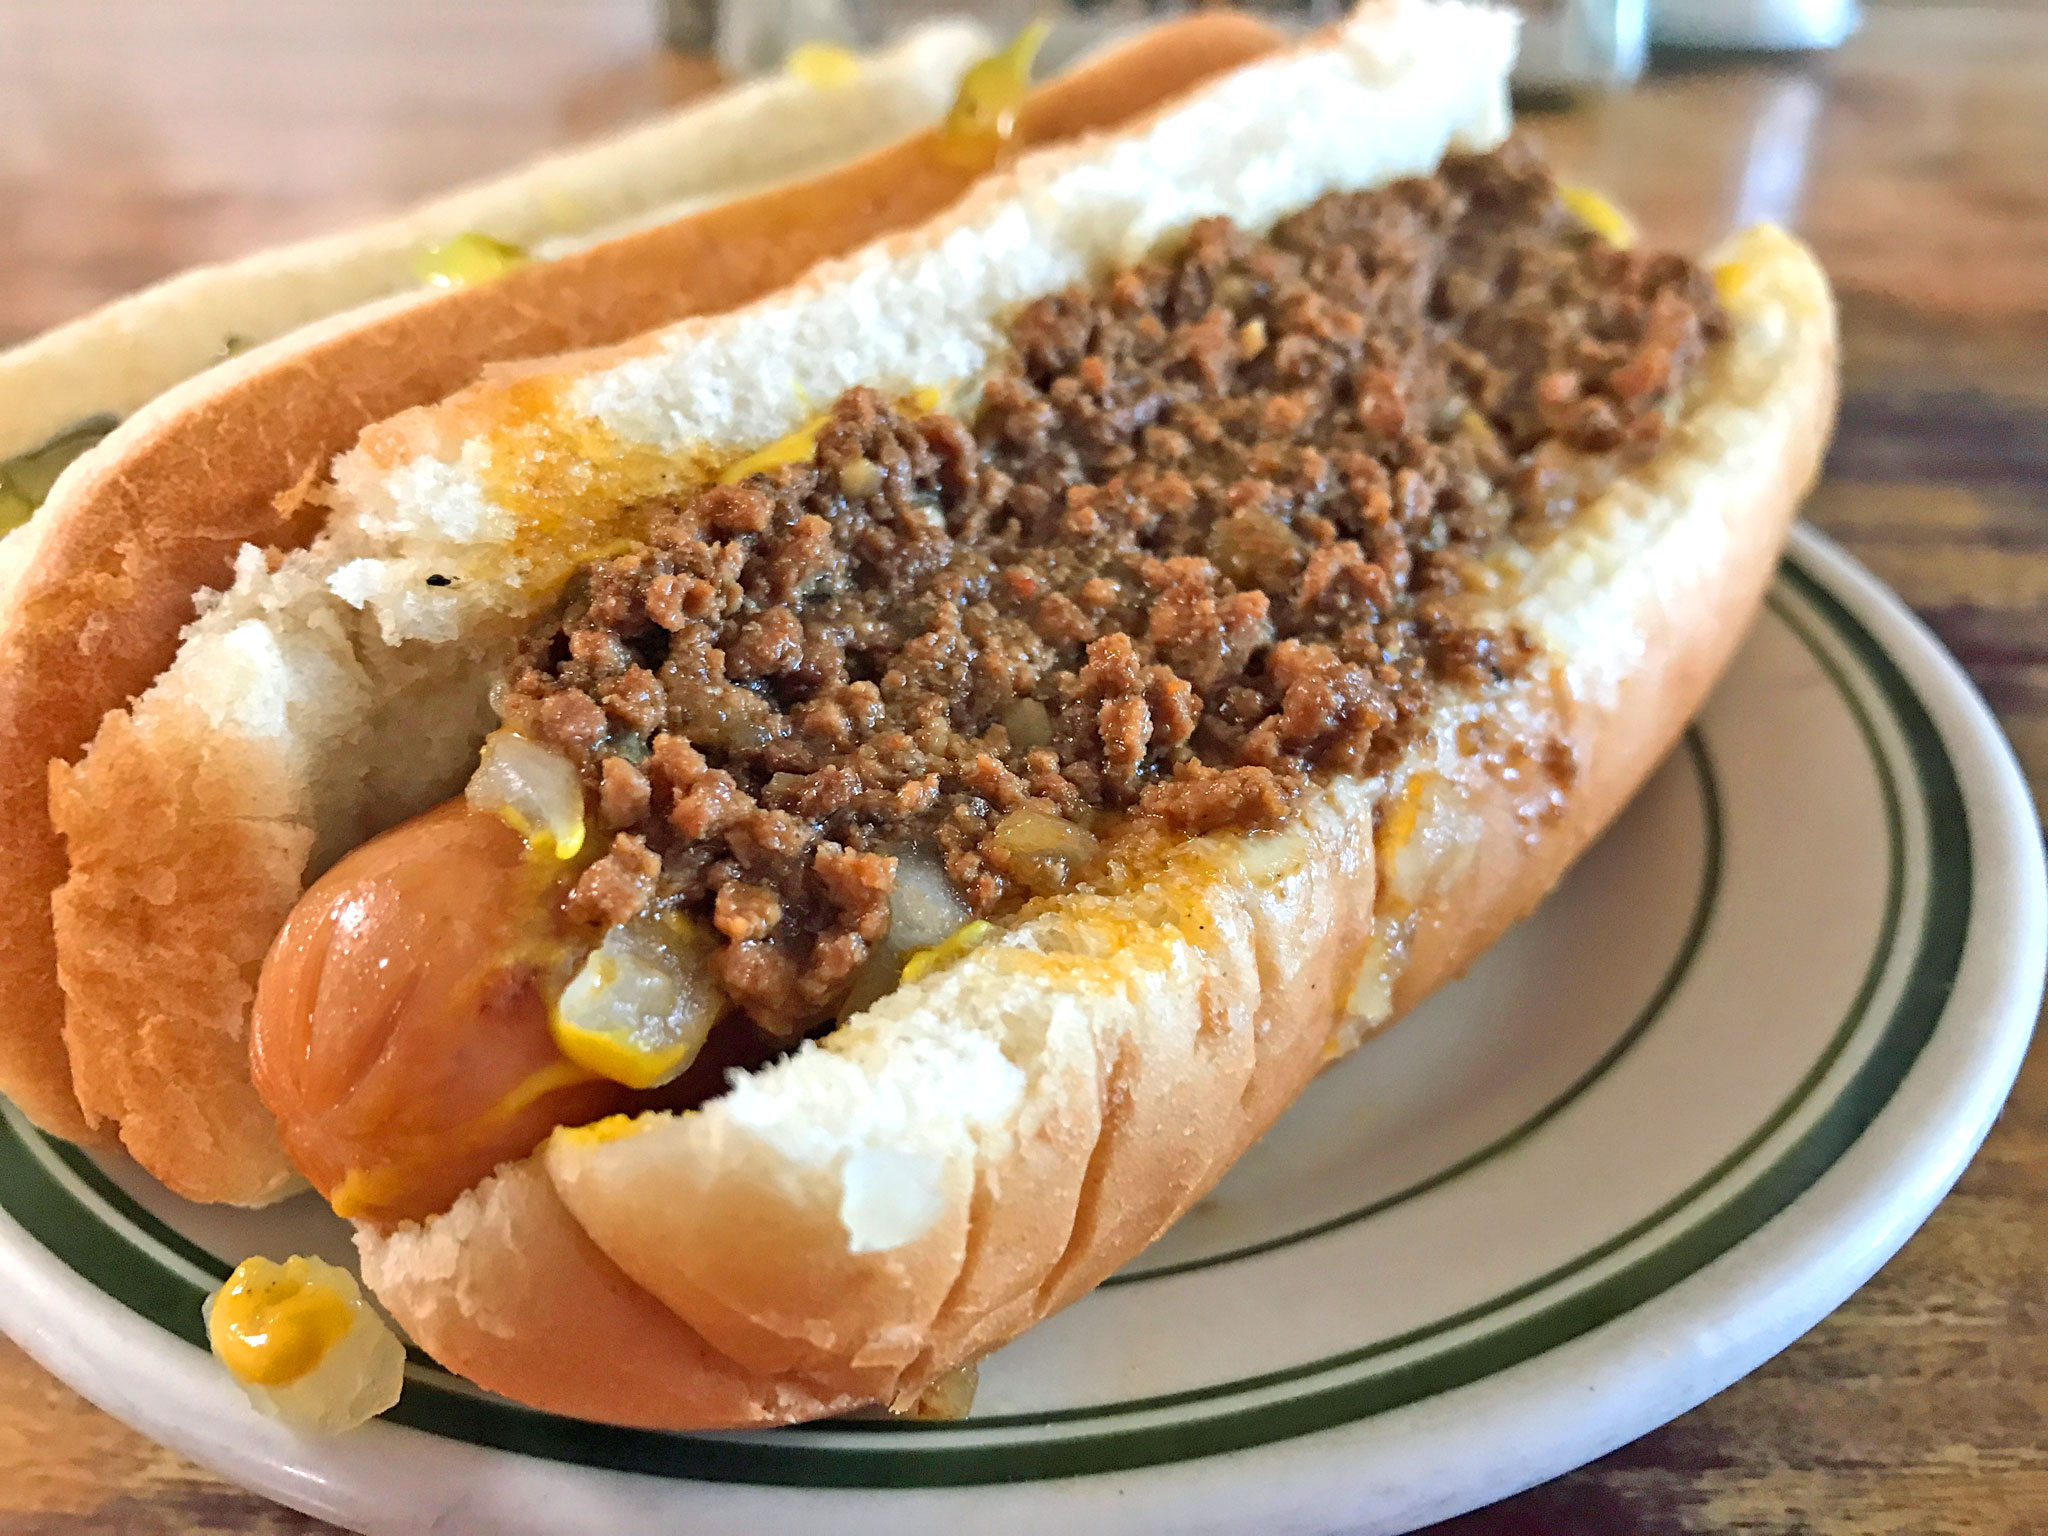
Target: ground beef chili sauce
[(1202, 538)]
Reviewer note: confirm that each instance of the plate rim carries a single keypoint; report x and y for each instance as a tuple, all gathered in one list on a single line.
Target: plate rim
[(1985, 768)]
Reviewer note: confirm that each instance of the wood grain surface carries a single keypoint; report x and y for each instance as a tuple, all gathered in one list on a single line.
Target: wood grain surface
[(139, 138)]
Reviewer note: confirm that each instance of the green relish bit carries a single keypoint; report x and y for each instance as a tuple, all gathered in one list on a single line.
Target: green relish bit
[(25, 481), (468, 258)]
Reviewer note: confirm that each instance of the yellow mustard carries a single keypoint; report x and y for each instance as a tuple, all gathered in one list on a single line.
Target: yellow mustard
[(983, 117), (537, 1085), (545, 846), (601, 1132), (797, 447), (792, 448), (468, 258), (1599, 215), (362, 1190), (824, 65), (922, 962), (274, 1323), (1731, 277), (1398, 824)]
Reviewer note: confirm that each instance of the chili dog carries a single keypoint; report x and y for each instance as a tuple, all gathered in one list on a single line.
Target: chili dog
[(964, 737), (145, 1037)]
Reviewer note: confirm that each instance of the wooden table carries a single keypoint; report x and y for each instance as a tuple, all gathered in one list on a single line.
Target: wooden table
[(139, 138)]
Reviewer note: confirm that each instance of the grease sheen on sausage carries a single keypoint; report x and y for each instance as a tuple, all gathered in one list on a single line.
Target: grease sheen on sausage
[(400, 1033)]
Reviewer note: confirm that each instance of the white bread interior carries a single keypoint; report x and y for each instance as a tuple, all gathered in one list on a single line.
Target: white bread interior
[(986, 1143), (318, 701), (127, 353)]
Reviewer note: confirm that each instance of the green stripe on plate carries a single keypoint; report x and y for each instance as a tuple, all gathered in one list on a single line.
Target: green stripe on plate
[(99, 1231), (36, 1192)]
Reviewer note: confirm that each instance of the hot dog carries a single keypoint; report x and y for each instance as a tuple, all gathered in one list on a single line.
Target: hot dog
[(966, 736), (95, 591)]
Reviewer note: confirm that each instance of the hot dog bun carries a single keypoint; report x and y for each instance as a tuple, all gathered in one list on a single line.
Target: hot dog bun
[(1048, 1105), (103, 580)]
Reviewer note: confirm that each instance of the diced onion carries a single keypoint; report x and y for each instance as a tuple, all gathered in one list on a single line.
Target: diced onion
[(1029, 725), (1036, 833), (949, 1398), (303, 1343), (924, 910), (535, 792), (1045, 850), (860, 477), (642, 1005), (923, 907)]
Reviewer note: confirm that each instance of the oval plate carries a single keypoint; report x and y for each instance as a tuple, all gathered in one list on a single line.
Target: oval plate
[(1659, 1131)]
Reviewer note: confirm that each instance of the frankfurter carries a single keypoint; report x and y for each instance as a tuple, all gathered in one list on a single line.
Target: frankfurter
[(95, 590), (965, 736)]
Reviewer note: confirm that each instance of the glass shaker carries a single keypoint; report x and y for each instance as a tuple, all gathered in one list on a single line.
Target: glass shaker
[(1566, 44)]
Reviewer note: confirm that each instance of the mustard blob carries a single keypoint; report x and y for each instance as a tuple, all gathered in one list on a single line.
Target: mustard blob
[(1599, 215), (799, 446), (792, 448), (468, 258), (827, 66), (984, 114), (922, 962), (273, 1324)]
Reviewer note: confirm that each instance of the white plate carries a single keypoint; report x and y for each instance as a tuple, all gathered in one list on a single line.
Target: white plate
[(1658, 1132)]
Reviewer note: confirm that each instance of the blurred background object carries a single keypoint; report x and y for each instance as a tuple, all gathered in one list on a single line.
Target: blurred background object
[(1765, 25), (1566, 44)]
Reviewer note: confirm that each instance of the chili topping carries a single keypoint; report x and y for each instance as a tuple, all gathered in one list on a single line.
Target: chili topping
[(1207, 533)]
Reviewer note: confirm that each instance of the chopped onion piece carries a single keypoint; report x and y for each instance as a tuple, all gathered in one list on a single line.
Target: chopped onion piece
[(923, 907), (924, 910), (642, 1005), (301, 1341), (1035, 833), (1029, 724), (948, 1398), (1046, 851), (534, 791)]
